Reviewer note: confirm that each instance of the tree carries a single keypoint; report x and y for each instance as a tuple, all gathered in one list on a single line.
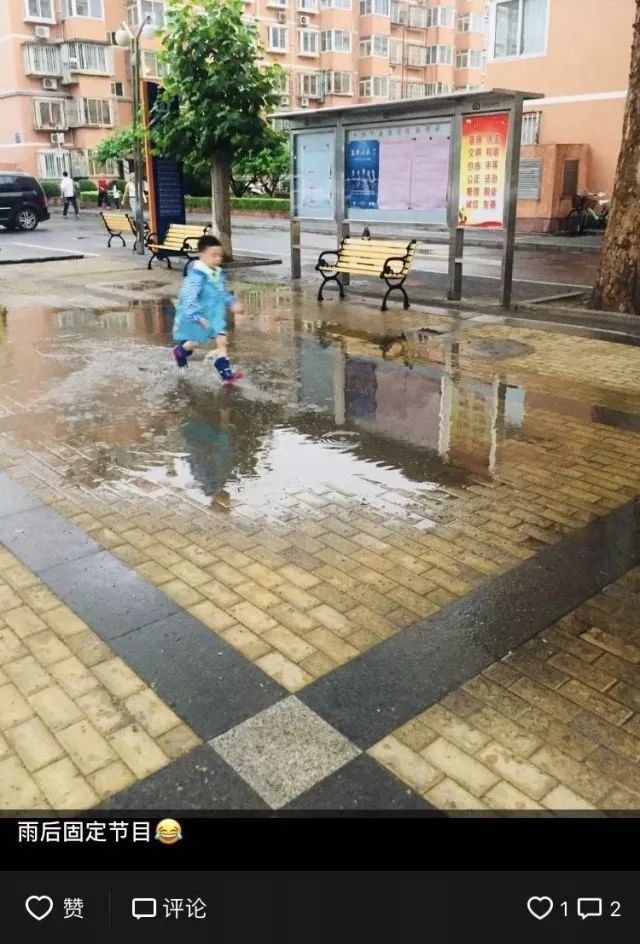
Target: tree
[(116, 146), (618, 283), (269, 167), (217, 93)]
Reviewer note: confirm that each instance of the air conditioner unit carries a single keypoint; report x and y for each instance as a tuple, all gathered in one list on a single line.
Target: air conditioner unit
[(50, 84), (284, 101), (282, 17), (67, 77), (304, 102), (42, 32), (57, 138), (304, 20)]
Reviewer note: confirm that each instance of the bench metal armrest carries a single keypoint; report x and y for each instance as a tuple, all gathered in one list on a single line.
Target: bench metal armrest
[(151, 236), (186, 244), (389, 270), (327, 252)]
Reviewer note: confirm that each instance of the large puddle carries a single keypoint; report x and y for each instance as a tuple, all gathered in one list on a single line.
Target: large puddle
[(327, 407)]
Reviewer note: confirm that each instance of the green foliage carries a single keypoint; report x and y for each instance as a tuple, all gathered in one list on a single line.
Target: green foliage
[(86, 184), (217, 93), (268, 204), (116, 146), (50, 187), (269, 167), (259, 203)]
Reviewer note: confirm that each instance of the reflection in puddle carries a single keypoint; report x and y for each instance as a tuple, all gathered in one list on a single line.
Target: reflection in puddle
[(327, 410)]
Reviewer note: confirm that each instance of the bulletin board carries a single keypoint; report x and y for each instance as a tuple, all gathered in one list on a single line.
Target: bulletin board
[(398, 172), (313, 173)]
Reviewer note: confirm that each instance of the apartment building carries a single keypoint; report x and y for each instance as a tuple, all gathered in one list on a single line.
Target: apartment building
[(64, 83), (577, 53)]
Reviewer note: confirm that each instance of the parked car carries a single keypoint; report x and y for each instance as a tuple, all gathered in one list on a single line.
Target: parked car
[(23, 203)]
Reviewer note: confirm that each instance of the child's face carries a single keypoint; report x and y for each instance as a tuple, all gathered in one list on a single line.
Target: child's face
[(212, 256)]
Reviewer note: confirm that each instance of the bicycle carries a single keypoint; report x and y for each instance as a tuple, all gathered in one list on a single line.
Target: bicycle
[(584, 216)]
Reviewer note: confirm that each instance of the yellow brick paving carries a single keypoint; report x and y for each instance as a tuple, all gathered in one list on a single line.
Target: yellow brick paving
[(303, 592), (555, 725), (77, 725)]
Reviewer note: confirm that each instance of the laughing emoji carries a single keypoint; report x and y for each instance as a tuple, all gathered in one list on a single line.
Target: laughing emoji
[(168, 831)]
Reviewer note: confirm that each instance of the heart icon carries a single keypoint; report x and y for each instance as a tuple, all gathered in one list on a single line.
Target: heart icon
[(540, 907), (39, 906)]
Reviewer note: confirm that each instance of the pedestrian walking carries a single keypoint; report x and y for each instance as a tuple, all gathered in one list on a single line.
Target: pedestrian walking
[(201, 312), (103, 192), (130, 196), (68, 192), (116, 195)]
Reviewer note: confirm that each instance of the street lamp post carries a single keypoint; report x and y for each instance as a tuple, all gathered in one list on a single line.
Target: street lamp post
[(125, 37)]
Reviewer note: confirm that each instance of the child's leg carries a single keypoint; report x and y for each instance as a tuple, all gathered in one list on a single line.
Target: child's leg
[(183, 350), (221, 362)]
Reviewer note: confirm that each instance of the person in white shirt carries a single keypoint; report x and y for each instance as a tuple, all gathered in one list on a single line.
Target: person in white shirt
[(68, 192)]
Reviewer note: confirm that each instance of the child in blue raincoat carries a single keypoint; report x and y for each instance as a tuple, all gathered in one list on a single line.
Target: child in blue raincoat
[(201, 312)]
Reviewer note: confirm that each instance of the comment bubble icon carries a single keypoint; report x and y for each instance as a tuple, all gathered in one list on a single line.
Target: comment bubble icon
[(589, 908), (144, 908)]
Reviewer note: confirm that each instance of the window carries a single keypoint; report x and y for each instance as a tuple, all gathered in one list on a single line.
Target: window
[(109, 168), (281, 4), (89, 57), (335, 4), (464, 23), (151, 66), (469, 59), (308, 6), (375, 7), (520, 28), (309, 84), (42, 59), (90, 113), (531, 127), (417, 17), (117, 89), (51, 164), (439, 55), (396, 47), (139, 10), (39, 10), (440, 16), (278, 38), (437, 88), (309, 42), (89, 8), (336, 41), (49, 114), (416, 56), (399, 13), (338, 83), (374, 46), (377, 86)]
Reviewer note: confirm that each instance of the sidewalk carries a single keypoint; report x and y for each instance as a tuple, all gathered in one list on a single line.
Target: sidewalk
[(342, 584)]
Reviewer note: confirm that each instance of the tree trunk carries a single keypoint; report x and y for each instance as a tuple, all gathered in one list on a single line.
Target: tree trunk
[(221, 202), (617, 285)]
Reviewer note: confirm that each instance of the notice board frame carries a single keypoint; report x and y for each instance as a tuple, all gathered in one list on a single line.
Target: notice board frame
[(454, 107)]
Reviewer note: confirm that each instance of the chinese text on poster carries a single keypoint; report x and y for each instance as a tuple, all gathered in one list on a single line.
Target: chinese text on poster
[(483, 170)]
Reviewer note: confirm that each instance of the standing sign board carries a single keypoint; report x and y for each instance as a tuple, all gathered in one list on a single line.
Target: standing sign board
[(398, 173), (313, 175), (483, 170), (165, 178)]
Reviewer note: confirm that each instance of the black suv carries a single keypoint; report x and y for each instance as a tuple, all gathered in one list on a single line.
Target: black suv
[(22, 201)]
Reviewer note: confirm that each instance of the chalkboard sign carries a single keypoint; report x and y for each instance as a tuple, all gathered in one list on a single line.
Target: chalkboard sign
[(530, 181)]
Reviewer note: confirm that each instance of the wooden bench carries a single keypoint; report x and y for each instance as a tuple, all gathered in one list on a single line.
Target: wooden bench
[(116, 224), (387, 259), (180, 240)]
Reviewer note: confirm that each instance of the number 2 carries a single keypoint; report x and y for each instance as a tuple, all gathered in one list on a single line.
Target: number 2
[(615, 909)]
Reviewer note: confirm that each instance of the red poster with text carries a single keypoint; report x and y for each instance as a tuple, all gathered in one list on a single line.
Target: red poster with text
[(483, 164)]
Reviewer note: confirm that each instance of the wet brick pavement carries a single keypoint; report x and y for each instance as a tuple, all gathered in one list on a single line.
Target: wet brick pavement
[(373, 474)]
